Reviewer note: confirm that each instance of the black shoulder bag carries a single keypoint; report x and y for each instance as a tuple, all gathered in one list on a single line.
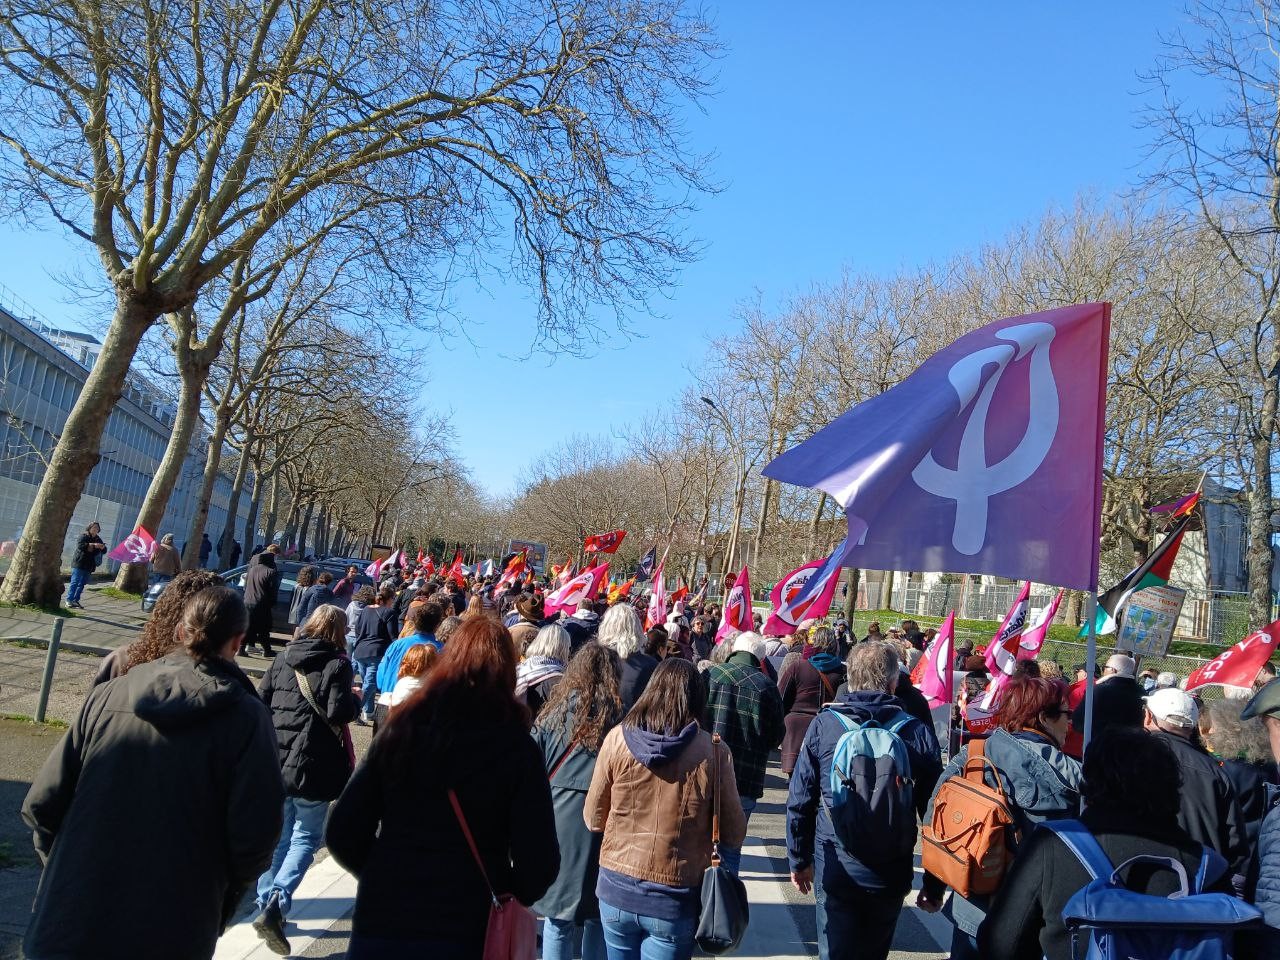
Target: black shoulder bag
[(725, 911)]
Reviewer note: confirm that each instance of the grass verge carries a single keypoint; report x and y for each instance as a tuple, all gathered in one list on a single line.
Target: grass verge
[(120, 594), (23, 718)]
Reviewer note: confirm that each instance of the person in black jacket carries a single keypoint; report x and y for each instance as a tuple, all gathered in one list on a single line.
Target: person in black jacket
[(1209, 811), (1117, 698), (160, 806), (462, 739), (622, 632), (261, 590), (308, 689), (375, 631), (1131, 808), (89, 553)]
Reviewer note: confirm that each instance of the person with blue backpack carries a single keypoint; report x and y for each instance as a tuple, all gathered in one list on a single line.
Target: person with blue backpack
[(1124, 880), (865, 770)]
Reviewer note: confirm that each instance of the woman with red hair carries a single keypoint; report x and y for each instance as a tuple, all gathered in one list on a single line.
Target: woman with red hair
[(420, 891), (1039, 780)]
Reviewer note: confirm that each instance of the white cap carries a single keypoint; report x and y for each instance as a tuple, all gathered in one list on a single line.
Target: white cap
[(1166, 679), (749, 642), (1174, 707), (1122, 665)]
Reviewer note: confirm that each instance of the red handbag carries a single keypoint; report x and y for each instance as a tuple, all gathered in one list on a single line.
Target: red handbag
[(512, 933)]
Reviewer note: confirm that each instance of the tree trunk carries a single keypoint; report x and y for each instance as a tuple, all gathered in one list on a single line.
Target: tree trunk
[(886, 593), (273, 508), (35, 575), (762, 521), (233, 507), (1075, 598), (851, 599), (1260, 530), (251, 521), (813, 525), (306, 525), (212, 461), (132, 577)]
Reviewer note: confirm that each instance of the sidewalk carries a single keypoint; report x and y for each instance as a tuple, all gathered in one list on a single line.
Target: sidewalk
[(783, 923)]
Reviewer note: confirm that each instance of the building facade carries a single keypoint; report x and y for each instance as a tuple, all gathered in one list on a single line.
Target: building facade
[(42, 370)]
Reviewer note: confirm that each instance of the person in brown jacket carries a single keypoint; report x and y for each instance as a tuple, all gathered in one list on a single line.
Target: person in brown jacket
[(165, 562), (655, 784)]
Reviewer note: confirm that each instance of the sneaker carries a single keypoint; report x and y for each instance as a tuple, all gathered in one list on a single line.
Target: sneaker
[(362, 720), (270, 926)]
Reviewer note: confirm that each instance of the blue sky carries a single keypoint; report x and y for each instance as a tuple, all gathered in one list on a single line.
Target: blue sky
[(869, 134)]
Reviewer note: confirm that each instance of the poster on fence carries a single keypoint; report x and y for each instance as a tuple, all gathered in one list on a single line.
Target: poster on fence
[(1149, 619)]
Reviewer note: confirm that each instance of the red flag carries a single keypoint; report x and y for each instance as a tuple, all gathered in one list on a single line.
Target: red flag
[(737, 607), (419, 558), (604, 542), (515, 566), (137, 547), (1239, 666), (796, 598), (431, 565), (455, 571)]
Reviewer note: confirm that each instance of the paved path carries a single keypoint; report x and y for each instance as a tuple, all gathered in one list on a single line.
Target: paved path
[(783, 923)]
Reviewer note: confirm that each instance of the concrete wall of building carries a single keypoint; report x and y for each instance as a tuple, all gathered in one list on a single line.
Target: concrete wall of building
[(39, 385)]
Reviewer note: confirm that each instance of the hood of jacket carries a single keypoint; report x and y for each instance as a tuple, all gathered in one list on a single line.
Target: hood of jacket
[(655, 749), (309, 654), (176, 691), (263, 559), (1039, 775), (826, 663), (862, 705)]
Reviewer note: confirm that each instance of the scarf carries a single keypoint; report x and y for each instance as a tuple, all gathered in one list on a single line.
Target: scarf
[(534, 670)]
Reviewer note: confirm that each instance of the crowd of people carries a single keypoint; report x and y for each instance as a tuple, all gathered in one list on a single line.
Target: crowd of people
[(573, 762)]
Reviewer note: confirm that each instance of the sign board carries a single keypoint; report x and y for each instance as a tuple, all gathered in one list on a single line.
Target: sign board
[(537, 553), (1149, 619), (379, 552)]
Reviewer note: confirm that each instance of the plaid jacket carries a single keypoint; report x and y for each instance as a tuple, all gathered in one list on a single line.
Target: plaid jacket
[(745, 708)]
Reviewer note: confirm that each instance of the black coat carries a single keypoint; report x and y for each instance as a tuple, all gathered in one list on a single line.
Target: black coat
[(573, 894), (313, 757), (85, 558), (1249, 781), (155, 812), (1025, 918), (1117, 702), (582, 628), (636, 671), (261, 583), (394, 829), (1209, 811)]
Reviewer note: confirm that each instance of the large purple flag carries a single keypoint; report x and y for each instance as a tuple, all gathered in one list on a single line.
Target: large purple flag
[(987, 459)]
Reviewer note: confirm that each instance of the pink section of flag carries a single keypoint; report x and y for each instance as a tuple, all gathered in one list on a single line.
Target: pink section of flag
[(586, 584), (986, 459), (657, 613), (737, 607), (1002, 652), (1034, 636), (939, 664), (137, 547)]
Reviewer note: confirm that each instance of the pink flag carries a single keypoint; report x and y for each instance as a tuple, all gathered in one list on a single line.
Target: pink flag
[(803, 594), (1033, 639), (934, 671), (737, 607), (657, 613), (987, 459), (137, 547), (585, 584), (1002, 651)]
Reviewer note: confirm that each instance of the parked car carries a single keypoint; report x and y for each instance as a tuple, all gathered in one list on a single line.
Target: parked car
[(288, 584)]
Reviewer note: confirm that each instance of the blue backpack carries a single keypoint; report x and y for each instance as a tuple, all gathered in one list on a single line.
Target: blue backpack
[(872, 809), (1108, 921)]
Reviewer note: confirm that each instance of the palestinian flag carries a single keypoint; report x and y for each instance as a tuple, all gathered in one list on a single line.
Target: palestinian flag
[(1152, 572)]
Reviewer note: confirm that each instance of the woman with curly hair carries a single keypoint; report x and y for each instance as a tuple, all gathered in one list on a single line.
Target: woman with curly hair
[(306, 578), (582, 708), (159, 635)]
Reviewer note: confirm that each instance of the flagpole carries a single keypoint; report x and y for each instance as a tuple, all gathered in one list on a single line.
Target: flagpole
[(1090, 665)]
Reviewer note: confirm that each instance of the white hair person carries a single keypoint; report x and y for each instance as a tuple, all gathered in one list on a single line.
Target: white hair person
[(552, 641), (621, 629)]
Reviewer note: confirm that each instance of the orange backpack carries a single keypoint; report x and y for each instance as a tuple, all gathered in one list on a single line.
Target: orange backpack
[(966, 844)]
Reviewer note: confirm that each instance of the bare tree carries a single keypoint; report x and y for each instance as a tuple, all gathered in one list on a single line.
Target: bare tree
[(175, 138)]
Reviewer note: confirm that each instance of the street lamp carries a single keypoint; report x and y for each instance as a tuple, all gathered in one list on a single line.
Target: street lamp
[(739, 490)]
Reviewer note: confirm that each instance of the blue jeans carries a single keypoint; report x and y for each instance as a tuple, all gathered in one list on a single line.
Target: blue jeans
[(368, 684), (731, 857), (558, 938), (76, 587), (630, 936), (300, 837), (853, 923)]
